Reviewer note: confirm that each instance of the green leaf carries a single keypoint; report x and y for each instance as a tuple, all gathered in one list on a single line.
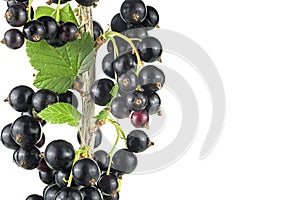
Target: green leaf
[(60, 113), (44, 11), (102, 115), (58, 67), (67, 14), (114, 91)]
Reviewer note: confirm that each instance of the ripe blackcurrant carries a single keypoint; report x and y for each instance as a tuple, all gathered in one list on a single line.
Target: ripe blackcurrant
[(108, 184), (98, 138), (111, 197), (124, 63), (34, 31), (118, 24), (128, 81), (124, 161), (136, 101), (137, 141), (43, 166), (34, 197), (50, 192), (133, 12), (68, 193), (13, 39), (7, 139), (140, 119), (102, 159), (26, 131), (47, 177), (100, 91), (97, 29), (20, 98), (16, 15), (56, 1), (42, 99), (122, 46), (152, 18), (68, 32), (154, 103), (59, 155), (61, 176), (86, 2), (150, 49), (151, 78), (90, 193), (68, 97), (139, 33), (86, 172), (56, 42), (107, 65), (50, 25), (41, 142), (27, 158), (119, 108)]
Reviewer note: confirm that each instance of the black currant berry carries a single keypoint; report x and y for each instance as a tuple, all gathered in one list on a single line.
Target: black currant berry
[(41, 142), (107, 65), (98, 138), (68, 193), (122, 45), (108, 184), (137, 141), (59, 155), (124, 161), (61, 176), (118, 24), (102, 159), (68, 97), (47, 177), (16, 15), (26, 131), (90, 193), (86, 172), (43, 166), (20, 98), (56, 1), (68, 32), (50, 25), (7, 139), (50, 192), (139, 33), (150, 49), (34, 31), (136, 101), (128, 81), (100, 91), (56, 42), (13, 39), (28, 158), (133, 12), (119, 108), (111, 197), (151, 78), (97, 29), (124, 63), (140, 119), (154, 103), (42, 99), (86, 2), (34, 197), (152, 18)]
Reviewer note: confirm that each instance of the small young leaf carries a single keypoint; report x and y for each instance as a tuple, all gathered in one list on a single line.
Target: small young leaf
[(102, 115), (44, 11), (67, 14), (60, 113), (58, 67), (114, 91)]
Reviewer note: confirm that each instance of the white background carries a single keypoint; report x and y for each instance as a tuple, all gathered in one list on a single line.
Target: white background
[(255, 46)]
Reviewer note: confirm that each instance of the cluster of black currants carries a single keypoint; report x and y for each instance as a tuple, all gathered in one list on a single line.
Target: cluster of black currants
[(137, 88), (44, 28)]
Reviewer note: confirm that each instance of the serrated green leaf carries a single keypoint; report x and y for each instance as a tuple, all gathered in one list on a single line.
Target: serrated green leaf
[(67, 14), (44, 11), (102, 115), (58, 67), (60, 113)]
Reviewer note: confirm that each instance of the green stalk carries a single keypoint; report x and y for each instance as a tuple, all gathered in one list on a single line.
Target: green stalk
[(29, 9), (57, 17)]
